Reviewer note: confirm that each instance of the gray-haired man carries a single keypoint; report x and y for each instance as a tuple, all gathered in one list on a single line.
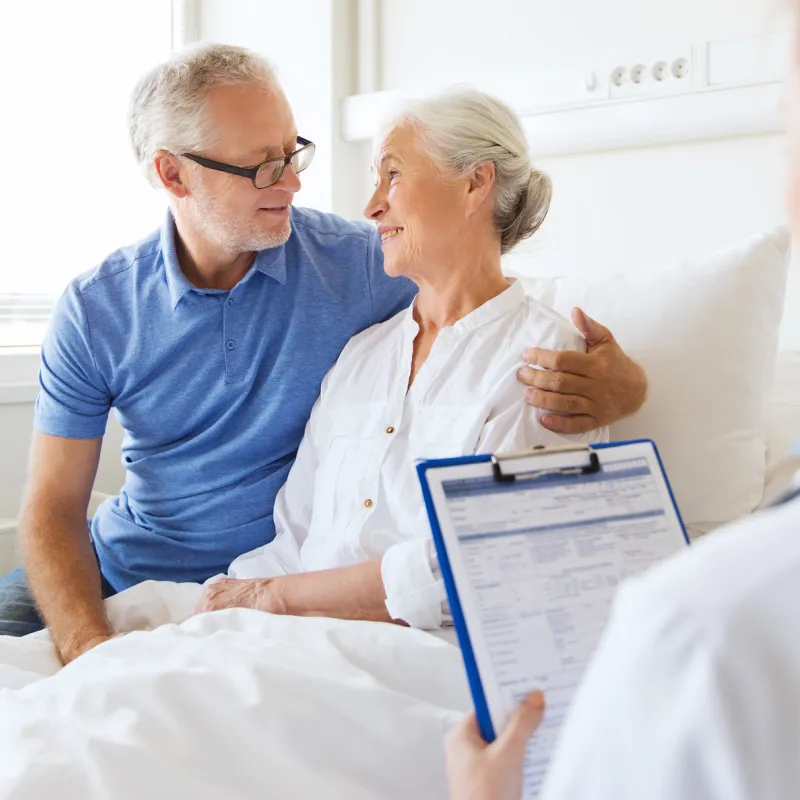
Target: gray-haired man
[(210, 338)]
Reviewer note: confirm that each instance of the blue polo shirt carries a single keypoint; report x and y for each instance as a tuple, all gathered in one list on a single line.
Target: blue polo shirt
[(212, 388)]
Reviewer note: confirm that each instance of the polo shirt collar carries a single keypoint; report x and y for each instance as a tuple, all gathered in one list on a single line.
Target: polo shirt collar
[(270, 262), (177, 283)]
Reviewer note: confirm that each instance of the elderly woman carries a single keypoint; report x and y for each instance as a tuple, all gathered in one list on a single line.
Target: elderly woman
[(455, 190)]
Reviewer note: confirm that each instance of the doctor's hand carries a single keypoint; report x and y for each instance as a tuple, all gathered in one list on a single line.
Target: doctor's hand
[(480, 771), (587, 390)]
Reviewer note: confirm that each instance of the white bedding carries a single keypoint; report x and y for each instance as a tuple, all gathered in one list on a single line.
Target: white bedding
[(235, 704)]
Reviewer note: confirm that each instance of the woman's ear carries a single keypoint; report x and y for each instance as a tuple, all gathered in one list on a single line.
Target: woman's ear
[(481, 184)]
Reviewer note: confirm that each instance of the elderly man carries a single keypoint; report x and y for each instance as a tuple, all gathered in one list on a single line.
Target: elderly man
[(210, 338)]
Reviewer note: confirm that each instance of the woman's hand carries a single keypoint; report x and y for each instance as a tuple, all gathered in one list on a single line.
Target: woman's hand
[(586, 390), (480, 771), (260, 594), (354, 592)]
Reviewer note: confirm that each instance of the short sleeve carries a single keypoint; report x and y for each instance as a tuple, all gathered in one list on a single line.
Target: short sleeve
[(389, 295), (73, 399)]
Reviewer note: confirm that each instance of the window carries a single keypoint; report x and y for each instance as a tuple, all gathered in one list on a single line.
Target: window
[(73, 192)]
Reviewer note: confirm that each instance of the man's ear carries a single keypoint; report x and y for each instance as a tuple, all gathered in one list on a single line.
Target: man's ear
[(481, 184), (170, 173)]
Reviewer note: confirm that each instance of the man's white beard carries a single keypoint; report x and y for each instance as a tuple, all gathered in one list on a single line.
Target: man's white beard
[(235, 235)]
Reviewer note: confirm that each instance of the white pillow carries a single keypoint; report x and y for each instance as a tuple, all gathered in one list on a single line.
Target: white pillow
[(783, 425), (707, 334)]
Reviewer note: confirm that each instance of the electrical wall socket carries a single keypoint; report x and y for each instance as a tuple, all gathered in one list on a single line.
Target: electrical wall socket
[(667, 72)]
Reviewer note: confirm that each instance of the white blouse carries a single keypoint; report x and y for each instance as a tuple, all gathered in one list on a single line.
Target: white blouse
[(353, 493)]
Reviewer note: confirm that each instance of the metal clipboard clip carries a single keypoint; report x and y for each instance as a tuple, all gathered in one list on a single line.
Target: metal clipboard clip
[(591, 465)]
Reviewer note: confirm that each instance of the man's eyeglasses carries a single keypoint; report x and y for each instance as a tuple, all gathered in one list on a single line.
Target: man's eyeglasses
[(267, 172)]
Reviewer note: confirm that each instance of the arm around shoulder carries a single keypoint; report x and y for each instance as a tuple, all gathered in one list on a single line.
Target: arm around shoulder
[(584, 390)]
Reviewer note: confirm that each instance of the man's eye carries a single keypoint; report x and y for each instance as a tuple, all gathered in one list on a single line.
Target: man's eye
[(393, 173)]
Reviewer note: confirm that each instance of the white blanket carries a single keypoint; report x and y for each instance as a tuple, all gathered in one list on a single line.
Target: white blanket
[(235, 704)]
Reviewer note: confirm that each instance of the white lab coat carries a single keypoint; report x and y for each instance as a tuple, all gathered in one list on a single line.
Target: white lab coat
[(694, 692)]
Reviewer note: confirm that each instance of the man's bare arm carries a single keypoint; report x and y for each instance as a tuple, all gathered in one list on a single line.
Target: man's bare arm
[(62, 569)]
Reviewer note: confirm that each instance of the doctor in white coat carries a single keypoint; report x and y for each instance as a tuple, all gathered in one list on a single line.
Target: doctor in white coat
[(694, 692)]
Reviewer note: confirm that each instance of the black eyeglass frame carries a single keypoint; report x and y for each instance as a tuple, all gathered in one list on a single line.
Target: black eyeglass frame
[(252, 172)]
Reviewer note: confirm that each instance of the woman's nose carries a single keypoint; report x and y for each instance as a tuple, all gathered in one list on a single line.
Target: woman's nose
[(376, 207)]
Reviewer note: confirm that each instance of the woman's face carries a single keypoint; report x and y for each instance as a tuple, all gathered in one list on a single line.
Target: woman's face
[(421, 214)]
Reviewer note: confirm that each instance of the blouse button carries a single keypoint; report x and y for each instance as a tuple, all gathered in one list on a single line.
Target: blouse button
[(390, 429), (368, 503)]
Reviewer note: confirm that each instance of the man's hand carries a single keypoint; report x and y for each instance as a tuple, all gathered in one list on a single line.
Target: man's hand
[(480, 771), (257, 593), (592, 389), (73, 650)]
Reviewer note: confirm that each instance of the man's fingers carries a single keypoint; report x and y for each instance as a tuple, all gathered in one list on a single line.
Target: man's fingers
[(522, 724), (578, 423), (559, 360), (590, 329), (560, 403), (466, 733), (559, 382)]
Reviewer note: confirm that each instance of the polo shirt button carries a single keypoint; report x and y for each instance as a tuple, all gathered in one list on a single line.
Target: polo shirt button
[(230, 344), (368, 503), (230, 302)]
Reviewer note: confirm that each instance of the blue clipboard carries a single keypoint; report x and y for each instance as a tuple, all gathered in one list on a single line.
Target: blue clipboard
[(459, 621)]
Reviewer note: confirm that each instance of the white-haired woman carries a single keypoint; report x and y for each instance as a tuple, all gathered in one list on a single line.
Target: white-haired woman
[(455, 189)]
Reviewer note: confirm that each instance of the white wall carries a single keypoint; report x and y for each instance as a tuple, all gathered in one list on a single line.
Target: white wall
[(656, 204), (458, 39)]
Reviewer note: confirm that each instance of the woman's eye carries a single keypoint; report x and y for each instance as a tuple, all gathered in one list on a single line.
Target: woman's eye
[(393, 174)]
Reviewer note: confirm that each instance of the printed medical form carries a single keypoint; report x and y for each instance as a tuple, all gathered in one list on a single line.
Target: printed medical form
[(536, 564)]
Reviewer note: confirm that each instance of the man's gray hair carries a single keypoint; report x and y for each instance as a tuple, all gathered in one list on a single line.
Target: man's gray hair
[(464, 128), (168, 105)]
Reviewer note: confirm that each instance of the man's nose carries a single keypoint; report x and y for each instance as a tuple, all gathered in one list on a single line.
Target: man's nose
[(290, 180)]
